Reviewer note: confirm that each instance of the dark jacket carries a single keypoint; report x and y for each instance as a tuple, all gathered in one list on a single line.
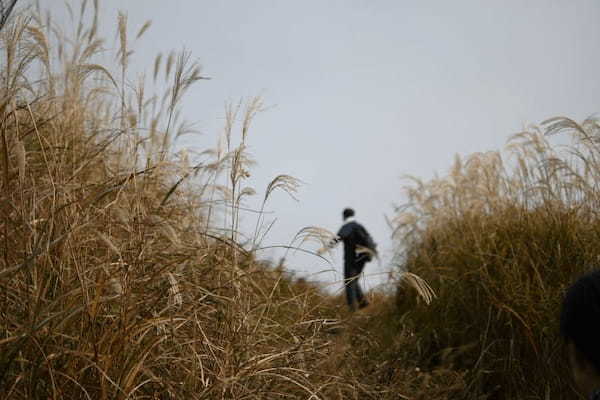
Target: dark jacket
[(354, 234)]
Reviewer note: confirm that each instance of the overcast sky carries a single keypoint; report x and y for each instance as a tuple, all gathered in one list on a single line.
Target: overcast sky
[(366, 91)]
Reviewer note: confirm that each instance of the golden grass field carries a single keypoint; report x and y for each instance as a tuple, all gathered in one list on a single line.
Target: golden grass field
[(123, 276)]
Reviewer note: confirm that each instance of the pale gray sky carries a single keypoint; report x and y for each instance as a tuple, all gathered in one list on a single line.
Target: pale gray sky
[(365, 91)]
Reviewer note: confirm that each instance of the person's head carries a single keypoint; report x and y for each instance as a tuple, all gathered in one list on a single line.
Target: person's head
[(348, 212), (580, 326)]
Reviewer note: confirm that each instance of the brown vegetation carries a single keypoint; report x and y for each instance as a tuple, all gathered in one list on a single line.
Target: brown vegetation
[(123, 275), (499, 238), (115, 281)]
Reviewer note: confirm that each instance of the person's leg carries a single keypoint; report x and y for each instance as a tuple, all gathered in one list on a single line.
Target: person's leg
[(362, 302), (354, 293), (351, 284), (360, 262)]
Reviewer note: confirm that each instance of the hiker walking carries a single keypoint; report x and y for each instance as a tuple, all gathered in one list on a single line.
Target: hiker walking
[(359, 248)]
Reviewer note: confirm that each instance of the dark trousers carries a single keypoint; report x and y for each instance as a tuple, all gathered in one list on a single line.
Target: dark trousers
[(354, 293)]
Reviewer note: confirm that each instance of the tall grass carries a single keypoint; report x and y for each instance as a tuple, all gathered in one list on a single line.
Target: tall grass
[(117, 280), (499, 238)]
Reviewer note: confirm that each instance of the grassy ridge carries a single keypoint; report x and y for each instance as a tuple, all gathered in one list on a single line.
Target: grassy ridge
[(118, 278), (499, 238)]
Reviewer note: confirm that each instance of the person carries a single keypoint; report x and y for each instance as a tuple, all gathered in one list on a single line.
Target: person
[(580, 327), (359, 248)]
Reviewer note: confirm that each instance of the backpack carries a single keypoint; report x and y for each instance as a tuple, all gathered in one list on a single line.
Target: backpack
[(369, 247)]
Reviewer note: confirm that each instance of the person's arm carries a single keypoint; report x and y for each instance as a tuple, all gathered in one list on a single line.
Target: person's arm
[(333, 242), (342, 233)]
